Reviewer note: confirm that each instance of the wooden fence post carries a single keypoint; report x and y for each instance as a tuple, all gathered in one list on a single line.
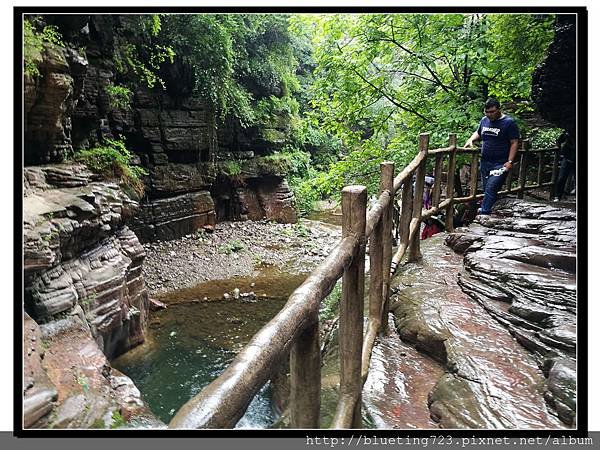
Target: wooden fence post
[(414, 252), (387, 184), (437, 181), (523, 168), (354, 207), (554, 174), (405, 211), (305, 377), (450, 183), (540, 168), (474, 173)]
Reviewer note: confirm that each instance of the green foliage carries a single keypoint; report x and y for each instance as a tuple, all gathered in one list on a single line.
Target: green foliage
[(98, 424), (516, 43), (138, 54), (117, 420), (297, 229), (330, 305), (381, 79), (270, 110), (301, 230), (88, 301), (544, 137), (33, 43), (119, 97), (232, 246), (233, 60), (305, 195), (232, 168), (113, 160), (83, 381)]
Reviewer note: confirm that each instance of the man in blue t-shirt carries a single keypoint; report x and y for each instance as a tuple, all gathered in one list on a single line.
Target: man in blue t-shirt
[(500, 136)]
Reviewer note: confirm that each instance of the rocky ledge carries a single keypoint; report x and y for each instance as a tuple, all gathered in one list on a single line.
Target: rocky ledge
[(84, 296), (520, 265), (488, 380)]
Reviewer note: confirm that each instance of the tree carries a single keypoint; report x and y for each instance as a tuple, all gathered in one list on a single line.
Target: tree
[(381, 79)]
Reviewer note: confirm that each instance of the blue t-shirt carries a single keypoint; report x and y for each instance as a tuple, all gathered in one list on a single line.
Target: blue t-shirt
[(496, 136)]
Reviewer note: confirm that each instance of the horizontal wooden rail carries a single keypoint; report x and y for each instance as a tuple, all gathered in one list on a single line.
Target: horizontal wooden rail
[(408, 171), (442, 151)]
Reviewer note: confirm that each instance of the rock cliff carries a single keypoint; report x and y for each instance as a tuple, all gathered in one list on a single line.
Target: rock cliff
[(554, 82), (85, 299), (175, 135)]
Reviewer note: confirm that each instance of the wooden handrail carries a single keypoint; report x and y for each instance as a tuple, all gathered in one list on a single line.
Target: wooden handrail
[(295, 328), (223, 402), (407, 172)]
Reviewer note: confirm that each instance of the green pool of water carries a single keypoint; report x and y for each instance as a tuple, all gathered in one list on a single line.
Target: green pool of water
[(192, 341)]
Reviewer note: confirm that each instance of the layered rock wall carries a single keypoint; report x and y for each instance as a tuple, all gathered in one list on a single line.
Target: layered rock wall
[(174, 134), (554, 81), (520, 265), (85, 299)]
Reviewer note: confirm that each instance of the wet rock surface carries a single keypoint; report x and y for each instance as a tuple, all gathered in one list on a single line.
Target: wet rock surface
[(236, 249), (90, 394), (397, 387), (490, 381), (85, 300), (520, 265)]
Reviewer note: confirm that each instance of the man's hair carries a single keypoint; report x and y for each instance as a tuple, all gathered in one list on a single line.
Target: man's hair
[(491, 103)]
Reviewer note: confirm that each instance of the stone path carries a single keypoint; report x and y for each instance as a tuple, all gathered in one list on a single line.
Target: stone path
[(482, 377)]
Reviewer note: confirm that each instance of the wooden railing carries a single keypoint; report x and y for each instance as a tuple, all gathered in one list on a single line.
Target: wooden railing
[(295, 329)]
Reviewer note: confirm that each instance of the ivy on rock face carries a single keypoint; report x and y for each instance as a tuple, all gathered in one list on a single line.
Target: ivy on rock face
[(111, 159), (233, 60), (34, 37)]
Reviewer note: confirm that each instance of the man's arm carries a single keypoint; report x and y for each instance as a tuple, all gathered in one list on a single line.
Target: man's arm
[(474, 137), (512, 154)]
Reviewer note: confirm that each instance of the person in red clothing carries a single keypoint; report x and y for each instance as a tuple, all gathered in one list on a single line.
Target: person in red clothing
[(433, 225)]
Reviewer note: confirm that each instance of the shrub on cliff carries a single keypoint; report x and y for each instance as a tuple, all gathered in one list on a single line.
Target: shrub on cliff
[(33, 44), (113, 160)]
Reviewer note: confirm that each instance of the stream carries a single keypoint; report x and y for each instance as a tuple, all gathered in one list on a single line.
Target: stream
[(191, 342), (450, 360)]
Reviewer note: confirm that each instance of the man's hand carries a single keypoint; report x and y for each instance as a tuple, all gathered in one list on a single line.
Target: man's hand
[(508, 165), (471, 141)]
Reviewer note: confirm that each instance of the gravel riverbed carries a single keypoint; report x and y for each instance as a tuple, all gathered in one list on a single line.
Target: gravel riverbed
[(237, 249)]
